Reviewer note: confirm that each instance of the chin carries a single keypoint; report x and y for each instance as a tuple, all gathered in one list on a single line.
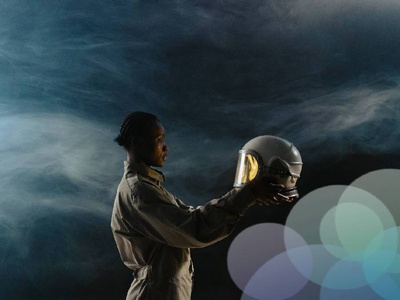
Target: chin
[(159, 165)]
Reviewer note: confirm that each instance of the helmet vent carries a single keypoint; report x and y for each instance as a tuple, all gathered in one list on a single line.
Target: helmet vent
[(279, 167)]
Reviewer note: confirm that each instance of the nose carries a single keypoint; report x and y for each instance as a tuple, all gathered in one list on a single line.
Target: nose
[(165, 148)]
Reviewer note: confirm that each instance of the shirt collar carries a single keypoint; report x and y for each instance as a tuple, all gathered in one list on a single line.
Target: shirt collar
[(144, 170)]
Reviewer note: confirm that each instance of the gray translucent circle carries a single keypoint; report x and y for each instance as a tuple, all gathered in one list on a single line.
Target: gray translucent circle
[(358, 195), (251, 249), (351, 227), (255, 247), (278, 278), (306, 216), (384, 185), (329, 235)]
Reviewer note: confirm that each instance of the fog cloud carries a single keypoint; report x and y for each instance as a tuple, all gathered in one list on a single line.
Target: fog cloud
[(322, 74)]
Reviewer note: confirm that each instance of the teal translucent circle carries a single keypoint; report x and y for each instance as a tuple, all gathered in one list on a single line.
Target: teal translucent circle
[(361, 293), (381, 255), (351, 227), (387, 286), (382, 269), (345, 275)]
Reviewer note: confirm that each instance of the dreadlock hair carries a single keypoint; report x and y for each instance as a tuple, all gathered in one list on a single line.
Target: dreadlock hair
[(133, 125)]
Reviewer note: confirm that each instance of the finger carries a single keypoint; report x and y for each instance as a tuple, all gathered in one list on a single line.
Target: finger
[(275, 201), (291, 199), (267, 201), (276, 185)]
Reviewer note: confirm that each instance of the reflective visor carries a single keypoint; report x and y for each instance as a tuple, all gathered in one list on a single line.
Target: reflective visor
[(248, 167)]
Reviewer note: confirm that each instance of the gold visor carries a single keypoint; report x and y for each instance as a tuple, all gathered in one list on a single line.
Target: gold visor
[(248, 167)]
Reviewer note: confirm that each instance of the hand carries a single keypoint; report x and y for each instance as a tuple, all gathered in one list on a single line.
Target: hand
[(269, 193)]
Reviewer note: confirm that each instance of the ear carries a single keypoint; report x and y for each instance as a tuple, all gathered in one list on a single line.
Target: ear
[(135, 142)]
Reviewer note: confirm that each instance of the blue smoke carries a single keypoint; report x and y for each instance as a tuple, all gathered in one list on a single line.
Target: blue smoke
[(322, 74)]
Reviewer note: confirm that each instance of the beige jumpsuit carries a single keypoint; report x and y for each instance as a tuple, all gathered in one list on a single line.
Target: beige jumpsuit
[(154, 230)]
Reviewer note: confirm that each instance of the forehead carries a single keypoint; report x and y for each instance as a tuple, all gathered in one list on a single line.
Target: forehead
[(154, 129)]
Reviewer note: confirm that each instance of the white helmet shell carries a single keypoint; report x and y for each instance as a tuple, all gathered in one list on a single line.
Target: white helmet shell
[(269, 156)]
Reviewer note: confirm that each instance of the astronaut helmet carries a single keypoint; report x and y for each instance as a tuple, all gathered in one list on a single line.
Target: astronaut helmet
[(271, 157)]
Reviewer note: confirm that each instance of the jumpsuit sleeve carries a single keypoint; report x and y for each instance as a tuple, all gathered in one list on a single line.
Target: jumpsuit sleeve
[(158, 218)]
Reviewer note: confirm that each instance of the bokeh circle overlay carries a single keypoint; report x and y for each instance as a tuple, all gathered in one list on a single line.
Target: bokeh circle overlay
[(345, 239)]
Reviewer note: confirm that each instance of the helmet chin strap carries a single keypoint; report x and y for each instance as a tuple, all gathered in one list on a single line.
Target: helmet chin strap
[(291, 192)]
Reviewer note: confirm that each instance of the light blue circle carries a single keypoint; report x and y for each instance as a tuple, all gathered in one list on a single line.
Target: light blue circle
[(351, 227), (380, 255), (363, 197), (345, 275), (362, 293), (251, 248), (279, 278), (257, 258)]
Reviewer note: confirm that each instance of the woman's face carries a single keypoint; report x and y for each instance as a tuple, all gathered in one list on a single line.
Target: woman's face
[(150, 148)]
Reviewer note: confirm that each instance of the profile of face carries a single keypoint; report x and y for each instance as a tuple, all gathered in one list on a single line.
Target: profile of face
[(150, 147)]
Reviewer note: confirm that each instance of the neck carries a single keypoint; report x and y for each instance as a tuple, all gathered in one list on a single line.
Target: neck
[(132, 158)]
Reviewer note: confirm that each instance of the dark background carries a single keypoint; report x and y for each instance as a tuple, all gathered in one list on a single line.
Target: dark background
[(323, 74)]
